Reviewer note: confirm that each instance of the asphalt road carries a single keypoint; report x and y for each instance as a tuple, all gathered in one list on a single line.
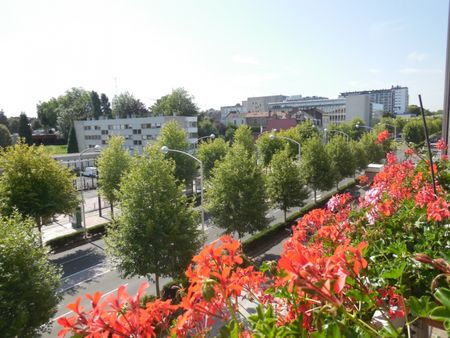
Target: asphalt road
[(86, 269)]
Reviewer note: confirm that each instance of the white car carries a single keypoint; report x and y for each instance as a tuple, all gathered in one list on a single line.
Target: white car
[(90, 172)]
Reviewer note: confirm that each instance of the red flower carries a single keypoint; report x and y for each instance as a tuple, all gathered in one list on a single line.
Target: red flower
[(438, 210), (383, 136), (441, 145)]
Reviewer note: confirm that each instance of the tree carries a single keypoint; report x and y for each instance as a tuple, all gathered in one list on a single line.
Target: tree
[(3, 118), (35, 124), (267, 147), (230, 129), (113, 163), (210, 152), (285, 185), (13, 123), (105, 106), (157, 232), (206, 126), (72, 144), (373, 150), (28, 281), (359, 154), (339, 151), (35, 184), (47, 113), (179, 102), (74, 105), (125, 105), (236, 194), (244, 137), (25, 129), (316, 166), (175, 137), (96, 105), (5, 136)]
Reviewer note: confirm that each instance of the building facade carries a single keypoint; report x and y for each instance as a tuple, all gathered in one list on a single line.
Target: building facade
[(227, 110), (262, 103), (395, 100), (137, 132)]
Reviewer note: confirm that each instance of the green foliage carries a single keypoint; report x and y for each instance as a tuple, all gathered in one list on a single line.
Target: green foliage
[(206, 127), (175, 137), (244, 137), (210, 152), (125, 105), (5, 136), (3, 119), (285, 185), (316, 166), (113, 163), (236, 195), (72, 144), (341, 155), (47, 113), (105, 106), (229, 132), (57, 150), (13, 123), (28, 281), (96, 105), (442, 312), (157, 232), (373, 150), (413, 131), (35, 184), (25, 129), (359, 155), (267, 147), (178, 102)]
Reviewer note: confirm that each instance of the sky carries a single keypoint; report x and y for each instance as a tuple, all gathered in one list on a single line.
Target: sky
[(221, 52)]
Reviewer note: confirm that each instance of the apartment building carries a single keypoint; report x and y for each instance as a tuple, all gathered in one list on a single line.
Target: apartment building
[(138, 131)]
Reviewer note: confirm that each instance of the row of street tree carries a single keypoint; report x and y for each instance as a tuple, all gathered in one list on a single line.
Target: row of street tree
[(157, 232)]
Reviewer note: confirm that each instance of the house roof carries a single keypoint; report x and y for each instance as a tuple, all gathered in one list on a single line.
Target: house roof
[(281, 124)]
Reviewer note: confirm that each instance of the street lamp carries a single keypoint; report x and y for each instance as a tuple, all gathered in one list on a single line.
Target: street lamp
[(273, 136), (360, 126), (347, 136), (212, 136), (165, 150), (96, 149)]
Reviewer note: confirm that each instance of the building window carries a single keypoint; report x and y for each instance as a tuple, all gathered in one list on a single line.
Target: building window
[(92, 137), (146, 126), (136, 131), (193, 124), (104, 132), (97, 128), (103, 141), (157, 125), (137, 142), (193, 135), (87, 127), (150, 137)]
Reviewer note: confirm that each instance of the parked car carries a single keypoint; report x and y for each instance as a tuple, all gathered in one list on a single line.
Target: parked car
[(89, 172)]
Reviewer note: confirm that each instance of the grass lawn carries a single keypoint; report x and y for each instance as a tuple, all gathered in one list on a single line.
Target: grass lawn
[(56, 150)]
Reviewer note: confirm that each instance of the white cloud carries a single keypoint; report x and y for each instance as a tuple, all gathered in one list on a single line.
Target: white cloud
[(246, 60), (417, 56)]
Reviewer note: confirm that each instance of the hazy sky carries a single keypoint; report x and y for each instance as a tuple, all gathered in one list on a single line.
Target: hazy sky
[(220, 51)]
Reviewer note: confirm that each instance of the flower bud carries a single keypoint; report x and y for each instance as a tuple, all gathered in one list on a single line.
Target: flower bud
[(208, 291)]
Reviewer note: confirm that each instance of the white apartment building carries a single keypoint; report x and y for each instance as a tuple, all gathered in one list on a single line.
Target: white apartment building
[(227, 110), (137, 131)]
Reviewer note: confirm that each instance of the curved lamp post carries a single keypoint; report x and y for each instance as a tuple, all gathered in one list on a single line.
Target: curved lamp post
[(83, 212), (360, 126), (212, 136), (273, 136), (165, 150), (347, 136)]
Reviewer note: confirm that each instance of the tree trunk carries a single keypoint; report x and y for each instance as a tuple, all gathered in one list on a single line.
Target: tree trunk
[(111, 205), (39, 226), (158, 293)]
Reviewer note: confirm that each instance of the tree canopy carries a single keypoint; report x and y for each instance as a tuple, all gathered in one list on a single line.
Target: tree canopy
[(157, 232), (96, 105), (113, 163), (126, 105), (267, 147), (25, 129), (72, 143), (210, 152), (35, 184), (243, 136), (236, 194), (341, 155), (5, 136), (179, 102), (105, 106), (175, 137), (28, 281)]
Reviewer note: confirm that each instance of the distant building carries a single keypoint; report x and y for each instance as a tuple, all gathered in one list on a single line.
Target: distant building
[(394, 100), (261, 103), (137, 131), (236, 119), (226, 110), (280, 124)]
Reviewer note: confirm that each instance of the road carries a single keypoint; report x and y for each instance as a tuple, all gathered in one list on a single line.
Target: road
[(86, 269)]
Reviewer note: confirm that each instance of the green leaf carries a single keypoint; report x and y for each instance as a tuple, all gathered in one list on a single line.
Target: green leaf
[(440, 313), (420, 307), (443, 296), (395, 272)]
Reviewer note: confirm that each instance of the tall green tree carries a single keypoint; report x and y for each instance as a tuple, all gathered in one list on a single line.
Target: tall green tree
[(28, 281), (47, 113), (267, 147), (3, 119), (72, 144), (179, 102), (25, 129), (210, 152), (105, 106), (244, 137), (175, 137), (125, 105), (341, 155), (285, 185), (96, 105), (236, 194), (316, 166), (157, 232), (5, 136), (13, 124), (35, 184), (373, 150), (359, 154), (113, 163), (230, 129)]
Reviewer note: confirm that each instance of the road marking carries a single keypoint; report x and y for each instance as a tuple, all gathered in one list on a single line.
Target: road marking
[(105, 294), (73, 259), (84, 281), (81, 271)]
